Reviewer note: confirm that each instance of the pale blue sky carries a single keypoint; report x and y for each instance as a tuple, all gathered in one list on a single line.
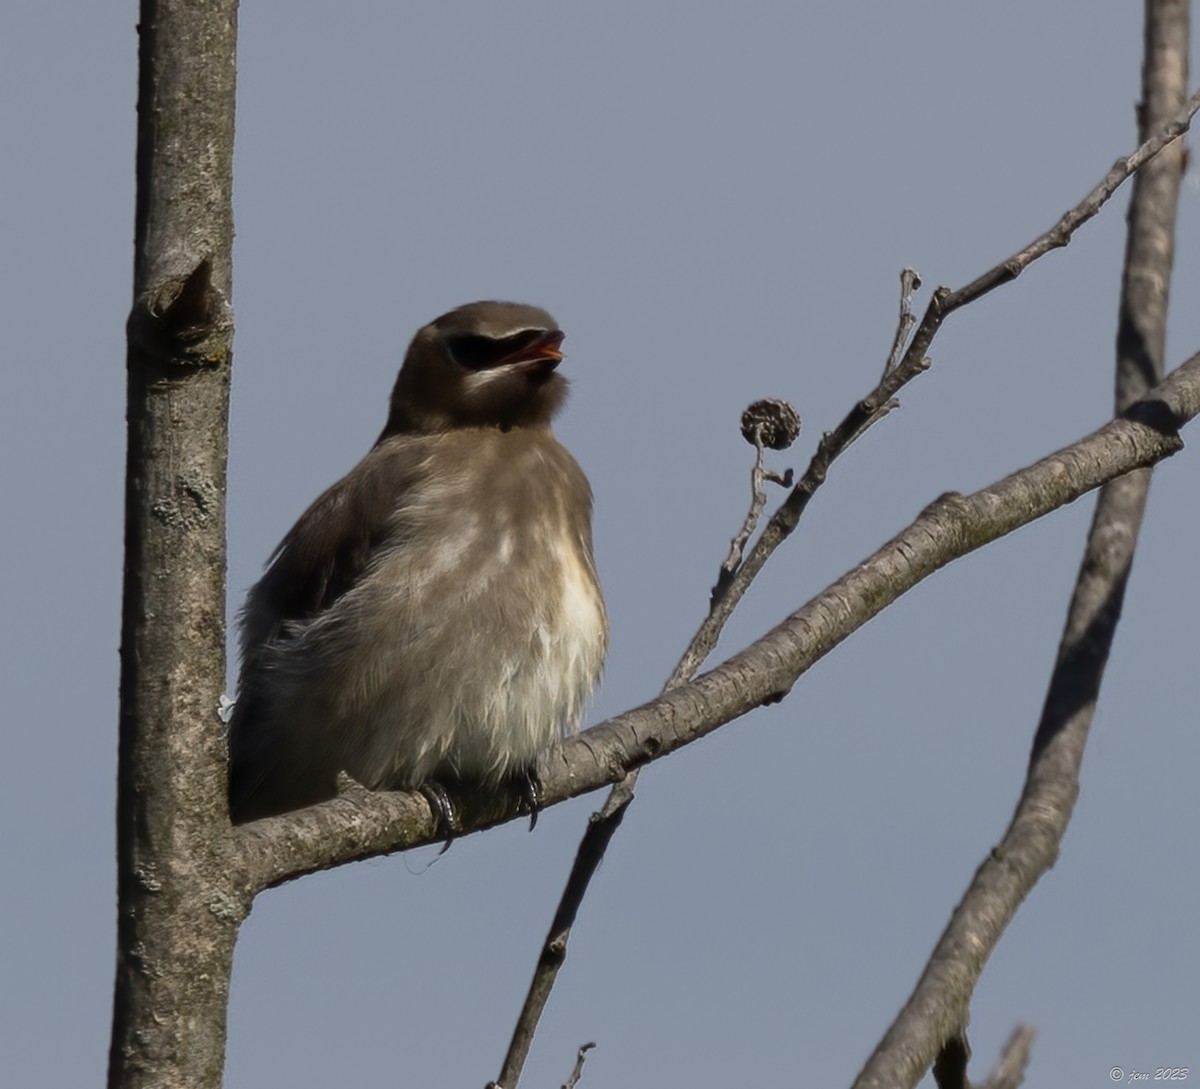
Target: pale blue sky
[(715, 200)]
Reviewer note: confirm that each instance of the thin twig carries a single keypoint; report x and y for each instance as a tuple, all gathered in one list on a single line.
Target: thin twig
[(1060, 234), (758, 500), (554, 950), (910, 281), (772, 423), (577, 1072), (1009, 1071)]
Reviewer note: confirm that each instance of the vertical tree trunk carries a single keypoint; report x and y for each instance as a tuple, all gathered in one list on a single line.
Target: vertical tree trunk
[(177, 911)]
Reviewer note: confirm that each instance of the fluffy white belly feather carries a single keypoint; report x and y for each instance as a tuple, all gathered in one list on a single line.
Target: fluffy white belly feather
[(434, 679)]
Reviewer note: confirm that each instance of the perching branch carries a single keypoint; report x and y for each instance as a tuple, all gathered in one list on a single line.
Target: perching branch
[(938, 1008)]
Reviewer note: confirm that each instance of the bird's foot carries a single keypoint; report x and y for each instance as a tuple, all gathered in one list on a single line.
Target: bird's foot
[(528, 788), (445, 818)]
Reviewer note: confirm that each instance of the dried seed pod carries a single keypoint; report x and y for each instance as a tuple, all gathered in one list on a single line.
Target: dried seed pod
[(773, 423)]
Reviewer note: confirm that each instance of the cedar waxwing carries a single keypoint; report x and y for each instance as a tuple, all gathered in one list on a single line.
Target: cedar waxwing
[(435, 616)]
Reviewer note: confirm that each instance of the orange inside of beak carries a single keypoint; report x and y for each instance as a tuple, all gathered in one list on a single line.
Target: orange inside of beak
[(545, 351)]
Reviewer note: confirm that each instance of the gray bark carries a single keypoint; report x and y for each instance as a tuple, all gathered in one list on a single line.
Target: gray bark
[(177, 919)]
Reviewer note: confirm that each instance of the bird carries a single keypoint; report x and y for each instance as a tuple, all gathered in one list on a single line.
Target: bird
[(435, 616)]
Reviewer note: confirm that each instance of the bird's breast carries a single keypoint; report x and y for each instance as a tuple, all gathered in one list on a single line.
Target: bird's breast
[(478, 634)]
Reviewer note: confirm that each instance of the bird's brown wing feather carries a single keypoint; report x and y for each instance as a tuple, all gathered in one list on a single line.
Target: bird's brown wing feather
[(326, 551), (321, 558)]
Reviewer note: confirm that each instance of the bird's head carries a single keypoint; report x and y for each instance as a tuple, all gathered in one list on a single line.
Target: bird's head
[(486, 364)]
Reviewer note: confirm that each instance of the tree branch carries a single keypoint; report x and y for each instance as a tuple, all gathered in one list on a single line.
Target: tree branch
[(938, 1008), (176, 923)]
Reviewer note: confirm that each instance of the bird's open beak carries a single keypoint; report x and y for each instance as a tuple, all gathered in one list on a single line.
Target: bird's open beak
[(542, 355)]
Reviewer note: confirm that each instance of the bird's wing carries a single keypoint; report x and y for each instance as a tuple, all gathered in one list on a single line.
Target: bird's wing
[(327, 550)]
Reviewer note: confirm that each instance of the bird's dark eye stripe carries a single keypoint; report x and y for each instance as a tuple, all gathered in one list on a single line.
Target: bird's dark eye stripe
[(478, 353)]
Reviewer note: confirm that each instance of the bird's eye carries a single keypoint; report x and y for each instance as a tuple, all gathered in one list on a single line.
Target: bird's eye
[(477, 353)]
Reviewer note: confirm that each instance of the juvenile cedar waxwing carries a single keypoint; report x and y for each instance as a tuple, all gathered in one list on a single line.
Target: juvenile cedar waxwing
[(435, 616)]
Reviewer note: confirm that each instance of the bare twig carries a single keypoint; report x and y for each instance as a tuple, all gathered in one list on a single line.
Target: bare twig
[(1009, 1071), (910, 281), (938, 1007), (554, 950), (758, 500), (577, 1073), (764, 423), (1173, 125)]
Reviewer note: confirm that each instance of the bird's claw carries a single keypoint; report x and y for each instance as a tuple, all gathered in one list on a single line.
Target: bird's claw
[(528, 787), (445, 818)]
